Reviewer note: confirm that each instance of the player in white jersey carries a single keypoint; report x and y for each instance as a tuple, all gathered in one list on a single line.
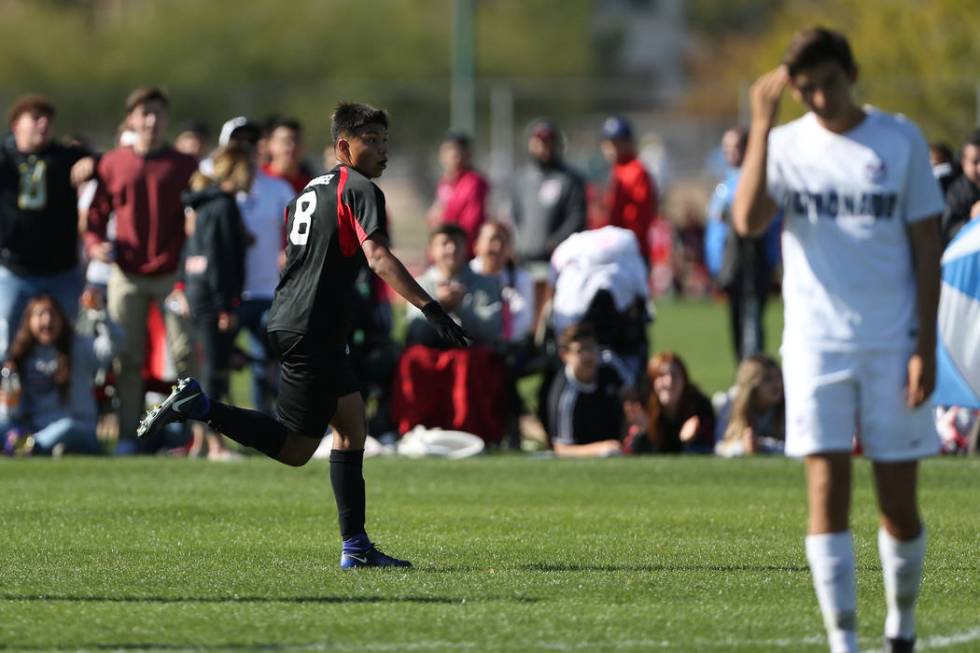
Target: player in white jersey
[(861, 256)]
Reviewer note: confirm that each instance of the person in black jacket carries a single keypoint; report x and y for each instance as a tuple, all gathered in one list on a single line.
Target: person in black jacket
[(963, 196), (38, 213), (212, 269)]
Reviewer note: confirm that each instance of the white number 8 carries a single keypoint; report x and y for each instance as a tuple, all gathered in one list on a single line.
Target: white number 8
[(303, 218)]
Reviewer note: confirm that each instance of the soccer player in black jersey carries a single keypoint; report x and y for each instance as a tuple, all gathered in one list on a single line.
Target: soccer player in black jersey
[(333, 225)]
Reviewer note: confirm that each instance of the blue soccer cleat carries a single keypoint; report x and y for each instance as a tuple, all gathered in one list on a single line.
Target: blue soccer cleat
[(370, 558), (186, 401)]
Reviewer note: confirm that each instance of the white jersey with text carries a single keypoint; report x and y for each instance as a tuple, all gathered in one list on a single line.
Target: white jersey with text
[(848, 199)]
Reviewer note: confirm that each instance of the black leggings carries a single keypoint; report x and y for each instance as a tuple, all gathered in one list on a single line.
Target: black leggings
[(216, 347)]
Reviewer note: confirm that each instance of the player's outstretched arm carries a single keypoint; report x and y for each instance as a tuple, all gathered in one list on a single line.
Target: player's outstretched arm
[(387, 266), (926, 254), (752, 208)]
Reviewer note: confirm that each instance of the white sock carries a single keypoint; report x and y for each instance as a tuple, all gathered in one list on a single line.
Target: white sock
[(831, 558), (901, 564)]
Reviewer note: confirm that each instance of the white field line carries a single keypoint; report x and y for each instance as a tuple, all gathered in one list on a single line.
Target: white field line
[(933, 642)]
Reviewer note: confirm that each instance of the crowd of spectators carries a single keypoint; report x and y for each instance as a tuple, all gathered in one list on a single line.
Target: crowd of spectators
[(103, 256)]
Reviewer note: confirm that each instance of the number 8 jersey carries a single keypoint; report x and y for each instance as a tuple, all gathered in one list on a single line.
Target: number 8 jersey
[(325, 227)]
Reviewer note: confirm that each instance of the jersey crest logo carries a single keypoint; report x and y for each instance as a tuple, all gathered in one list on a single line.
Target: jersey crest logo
[(322, 180), (876, 171)]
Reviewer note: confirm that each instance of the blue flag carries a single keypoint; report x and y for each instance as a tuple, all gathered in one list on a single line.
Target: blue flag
[(958, 342)]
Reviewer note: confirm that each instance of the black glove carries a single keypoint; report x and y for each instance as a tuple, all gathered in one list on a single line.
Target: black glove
[(444, 325)]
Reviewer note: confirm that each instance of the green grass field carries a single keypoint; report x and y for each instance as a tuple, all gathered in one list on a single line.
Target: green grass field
[(512, 554)]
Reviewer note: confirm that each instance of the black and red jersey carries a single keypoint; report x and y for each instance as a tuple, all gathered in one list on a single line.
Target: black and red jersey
[(325, 227)]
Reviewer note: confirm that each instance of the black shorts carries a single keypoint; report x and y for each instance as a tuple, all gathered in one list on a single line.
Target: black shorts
[(312, 377)]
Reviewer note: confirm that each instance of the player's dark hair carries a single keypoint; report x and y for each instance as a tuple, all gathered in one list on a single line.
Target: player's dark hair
[(973, 139), (145, 94), (449, 229), (349, 118), (461, 140), (292, 124), (816, 45), (578, 332), (942, 151), (197, 127), (36, 104)]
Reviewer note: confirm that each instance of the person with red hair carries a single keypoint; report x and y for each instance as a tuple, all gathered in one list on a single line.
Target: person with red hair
[(678, 417)]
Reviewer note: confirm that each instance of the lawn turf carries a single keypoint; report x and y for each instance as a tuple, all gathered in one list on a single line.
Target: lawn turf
[(512, 554)]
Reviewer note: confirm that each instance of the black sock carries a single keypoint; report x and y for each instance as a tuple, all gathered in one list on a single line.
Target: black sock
[(348, 490), (248, 427)]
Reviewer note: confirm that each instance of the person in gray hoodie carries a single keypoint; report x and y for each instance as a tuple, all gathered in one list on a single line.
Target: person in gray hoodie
[(548, 202), (548, 205), (472, 299), (56, 367)]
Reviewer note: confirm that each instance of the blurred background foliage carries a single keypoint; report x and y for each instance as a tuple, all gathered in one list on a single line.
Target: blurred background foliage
[(917, 57), (224, 57)]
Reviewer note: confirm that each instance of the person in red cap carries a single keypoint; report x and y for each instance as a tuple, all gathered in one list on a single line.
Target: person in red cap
[(631, 198)]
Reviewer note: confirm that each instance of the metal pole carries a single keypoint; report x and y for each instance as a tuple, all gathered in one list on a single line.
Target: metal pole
[(501, 134), (750, 300), (462, 107)]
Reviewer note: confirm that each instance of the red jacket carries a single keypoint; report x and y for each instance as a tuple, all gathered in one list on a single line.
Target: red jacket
[(145, 193), (464, 202), (631, 200)]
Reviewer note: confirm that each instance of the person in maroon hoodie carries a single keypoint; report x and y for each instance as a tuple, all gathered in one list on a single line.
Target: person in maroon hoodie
[(142, 184)]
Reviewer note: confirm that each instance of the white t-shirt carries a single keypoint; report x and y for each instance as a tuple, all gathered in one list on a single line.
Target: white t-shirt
[(848, 198), (263, 211), (590, 261)]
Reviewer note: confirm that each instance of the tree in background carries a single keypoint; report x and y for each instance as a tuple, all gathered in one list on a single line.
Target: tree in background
[(918, 57), (224, 57)]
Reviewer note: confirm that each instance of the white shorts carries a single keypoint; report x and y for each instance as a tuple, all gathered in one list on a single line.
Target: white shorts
[(833, 396)]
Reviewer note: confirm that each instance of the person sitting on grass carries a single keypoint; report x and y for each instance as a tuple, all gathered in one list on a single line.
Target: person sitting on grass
[(55, 368), (756, 413), (678, 418), (495, 258), (472, 299), (584, 409)]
